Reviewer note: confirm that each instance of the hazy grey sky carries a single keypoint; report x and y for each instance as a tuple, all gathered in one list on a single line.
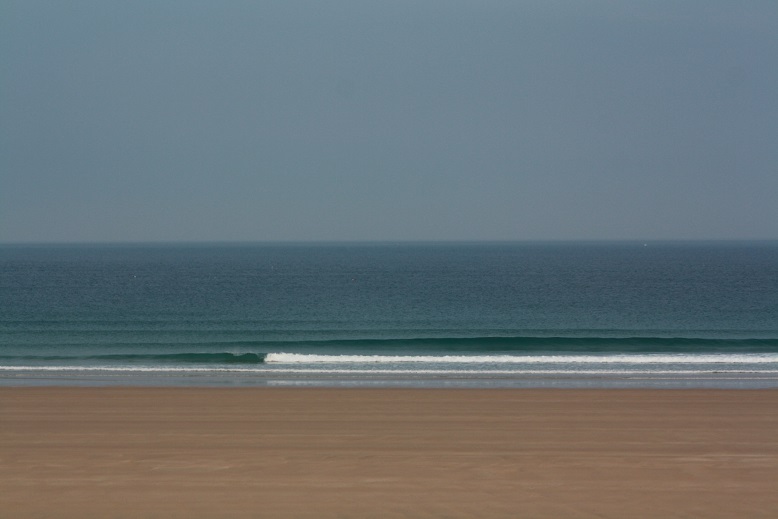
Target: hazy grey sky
[(388, 120)]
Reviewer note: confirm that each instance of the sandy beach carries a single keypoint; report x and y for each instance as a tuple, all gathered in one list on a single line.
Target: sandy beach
[(327, 453)]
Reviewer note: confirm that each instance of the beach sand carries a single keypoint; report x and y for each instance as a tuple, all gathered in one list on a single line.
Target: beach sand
[(372, 453)]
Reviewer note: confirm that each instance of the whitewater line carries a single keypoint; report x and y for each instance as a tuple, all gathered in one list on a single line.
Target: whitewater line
[(681, 358)]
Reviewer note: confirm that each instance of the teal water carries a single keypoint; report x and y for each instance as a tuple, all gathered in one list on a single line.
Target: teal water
[(499, 314)]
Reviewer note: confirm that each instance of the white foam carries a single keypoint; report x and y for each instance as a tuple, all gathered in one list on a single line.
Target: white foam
[(746, 358), (489, 372), (327, 371)]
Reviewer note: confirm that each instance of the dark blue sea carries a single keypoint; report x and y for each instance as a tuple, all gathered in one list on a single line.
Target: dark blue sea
[(621, 314)]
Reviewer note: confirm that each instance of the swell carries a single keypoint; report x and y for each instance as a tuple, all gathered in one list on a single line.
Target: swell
[(517, 344), (487, 344), (172, 358), (256, 352), (525, 344)]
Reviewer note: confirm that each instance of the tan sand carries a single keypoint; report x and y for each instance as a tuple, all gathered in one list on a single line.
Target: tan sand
[(364, 453)]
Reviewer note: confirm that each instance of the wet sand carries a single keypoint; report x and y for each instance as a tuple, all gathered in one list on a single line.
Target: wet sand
[(343, 453)]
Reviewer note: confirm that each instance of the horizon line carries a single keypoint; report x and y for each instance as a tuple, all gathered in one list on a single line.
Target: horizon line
[(388, 241)]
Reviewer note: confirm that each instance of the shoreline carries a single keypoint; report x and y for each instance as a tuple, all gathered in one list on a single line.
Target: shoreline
[(249, 378), (387, 452)]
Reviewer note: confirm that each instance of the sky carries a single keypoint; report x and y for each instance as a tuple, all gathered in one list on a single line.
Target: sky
[(388, 120)]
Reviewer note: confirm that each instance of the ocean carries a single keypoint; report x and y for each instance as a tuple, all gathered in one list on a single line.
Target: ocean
[(548, 314)]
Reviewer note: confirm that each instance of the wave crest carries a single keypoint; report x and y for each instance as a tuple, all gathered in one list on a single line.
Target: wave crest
[(301, 358)]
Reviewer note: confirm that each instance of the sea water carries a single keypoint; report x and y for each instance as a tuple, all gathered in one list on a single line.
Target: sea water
[(421, 314)]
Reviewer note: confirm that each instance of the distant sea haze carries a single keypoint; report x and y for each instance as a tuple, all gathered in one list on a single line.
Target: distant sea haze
[(447, 314)]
